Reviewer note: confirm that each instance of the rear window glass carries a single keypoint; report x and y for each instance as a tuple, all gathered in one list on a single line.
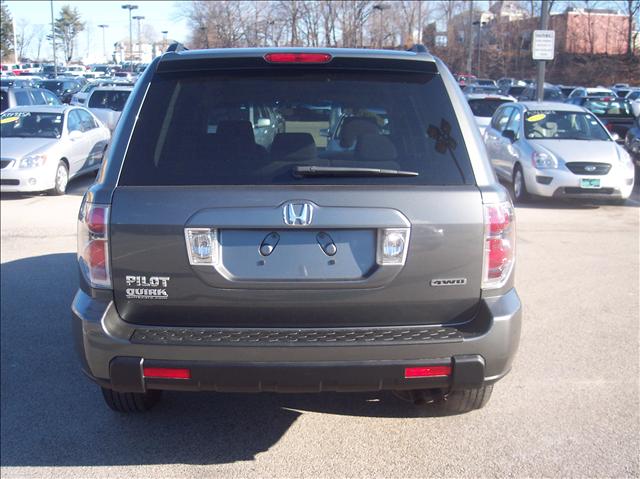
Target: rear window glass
[(485, 107), (111, 100), (620, 108), (256, 127)]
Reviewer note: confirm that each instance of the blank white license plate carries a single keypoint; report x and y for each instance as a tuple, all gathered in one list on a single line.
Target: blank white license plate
[(590, 183)]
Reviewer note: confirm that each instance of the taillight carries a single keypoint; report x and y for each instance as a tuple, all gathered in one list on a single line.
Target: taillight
[(297, 57), (499, 244), (393, 244), (93, 244)]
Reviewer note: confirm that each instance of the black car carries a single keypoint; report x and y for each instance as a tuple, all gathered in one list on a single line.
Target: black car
[(551, 93), (64, 88), (614, 113)]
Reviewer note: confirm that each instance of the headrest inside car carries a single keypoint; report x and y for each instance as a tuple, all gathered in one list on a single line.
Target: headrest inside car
[(294, 146), (354, 126), (236, 130), (374, 147)]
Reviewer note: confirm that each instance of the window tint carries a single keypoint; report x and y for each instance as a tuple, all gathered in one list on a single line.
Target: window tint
[(485, 107), (22, 98), (616, 108), (50, 98), (38, 97), (86, 120), (196, 129), (30, 124), (4, 100), (500, 119), (112, 100), (514, 121), (73, 121), (563, 125)]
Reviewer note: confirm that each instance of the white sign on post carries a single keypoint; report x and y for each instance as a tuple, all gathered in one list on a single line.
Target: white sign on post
[(543, 44)]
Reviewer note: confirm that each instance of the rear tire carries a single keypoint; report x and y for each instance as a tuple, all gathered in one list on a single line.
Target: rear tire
[(130, 402), (520, 193), (61, 180), (455, 402)]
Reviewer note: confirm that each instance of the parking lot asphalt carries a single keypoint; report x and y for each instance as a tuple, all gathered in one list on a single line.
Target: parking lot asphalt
[(570, 406)]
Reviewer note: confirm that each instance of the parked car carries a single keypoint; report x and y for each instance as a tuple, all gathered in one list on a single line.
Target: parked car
[(44, 146), (481, 89), (209, 262), (107, 103), (633, 95), (597, 91), (484, 106), (63, 87), (550, 93), (17, 82), (485, 82), (632, 141), (615, 114), (11, 68), (265, 121), (557, 150), (81, 97), (514, 91), (506, 82), (567, 90), (11, 97), (74, 71), (465, 79), (101, 71)]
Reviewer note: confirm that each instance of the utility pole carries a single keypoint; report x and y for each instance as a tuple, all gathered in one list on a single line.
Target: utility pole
[(470, 39), (104, 45), (53, 43), (380, 7), (139, 18), (130, 7), (544, 25)]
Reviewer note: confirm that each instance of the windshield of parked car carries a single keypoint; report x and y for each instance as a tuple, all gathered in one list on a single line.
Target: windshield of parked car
[(516, 90), (261, 127), (614, 108), (100, 69), (112, 100), (563, 125), (56, 86), (28, 124), (485, 107)]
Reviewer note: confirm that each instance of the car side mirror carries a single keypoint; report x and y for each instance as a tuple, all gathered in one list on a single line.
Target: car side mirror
[(263, 123), (510, 134), (75, 135)]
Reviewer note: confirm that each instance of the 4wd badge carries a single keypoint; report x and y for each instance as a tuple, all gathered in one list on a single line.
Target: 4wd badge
[(141, 287), (449, 282)]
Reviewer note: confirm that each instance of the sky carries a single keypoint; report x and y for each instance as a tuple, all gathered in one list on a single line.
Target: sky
[(162, 15)]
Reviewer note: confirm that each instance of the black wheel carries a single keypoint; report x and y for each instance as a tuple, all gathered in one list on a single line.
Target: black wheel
[(61, 179), (520, 193), (130, 402), (454, 402)]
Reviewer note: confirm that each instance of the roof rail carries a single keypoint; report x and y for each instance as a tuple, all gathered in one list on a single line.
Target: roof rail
[(176, 47), (418, 48)]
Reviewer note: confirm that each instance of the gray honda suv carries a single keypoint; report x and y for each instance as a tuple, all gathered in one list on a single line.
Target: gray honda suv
[(210, 261)]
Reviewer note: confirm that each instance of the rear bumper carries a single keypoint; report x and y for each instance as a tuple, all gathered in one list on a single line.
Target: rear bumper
[(114, 353)]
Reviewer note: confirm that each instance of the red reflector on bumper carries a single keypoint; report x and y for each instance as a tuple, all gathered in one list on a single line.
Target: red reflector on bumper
[(427, 371), (167, 373)]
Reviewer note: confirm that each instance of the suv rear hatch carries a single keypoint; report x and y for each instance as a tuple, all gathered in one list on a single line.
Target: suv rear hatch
[(258, 194)]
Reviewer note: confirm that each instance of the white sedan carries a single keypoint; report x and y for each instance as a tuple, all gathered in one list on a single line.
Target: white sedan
[(557, 150), (44, 146)]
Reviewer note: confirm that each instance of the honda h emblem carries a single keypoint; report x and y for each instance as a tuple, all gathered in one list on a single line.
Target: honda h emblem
[(297, 214), (590, 168)]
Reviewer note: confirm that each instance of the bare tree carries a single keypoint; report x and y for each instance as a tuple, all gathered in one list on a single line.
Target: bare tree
[(39, 34), (631, 9), (24, 36), (329, 14)]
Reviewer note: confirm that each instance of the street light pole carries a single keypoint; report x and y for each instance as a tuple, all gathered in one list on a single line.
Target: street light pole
[(380, 7), (139, 18), (480, 25), (130, 7), (104, 45), (544, 25)]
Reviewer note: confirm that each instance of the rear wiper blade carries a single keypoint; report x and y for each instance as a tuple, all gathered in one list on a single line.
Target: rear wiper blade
[(305, 171)]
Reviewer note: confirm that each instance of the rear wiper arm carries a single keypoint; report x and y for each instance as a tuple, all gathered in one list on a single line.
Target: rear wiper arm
[(306, 171)]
